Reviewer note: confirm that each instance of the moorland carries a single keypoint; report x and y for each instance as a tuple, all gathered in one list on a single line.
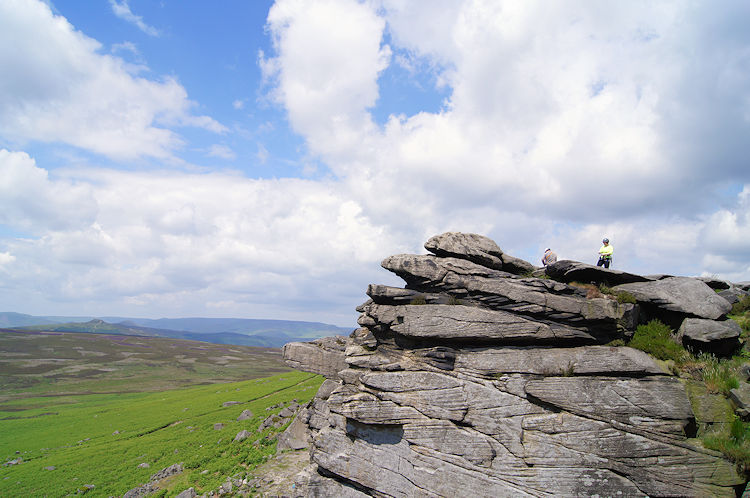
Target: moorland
[(99, 414)]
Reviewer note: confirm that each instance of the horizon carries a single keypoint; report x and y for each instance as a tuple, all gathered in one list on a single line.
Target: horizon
[(261, 158)]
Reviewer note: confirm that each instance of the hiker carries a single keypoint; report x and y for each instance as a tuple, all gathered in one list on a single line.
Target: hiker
[(549, 257), (605, 254)]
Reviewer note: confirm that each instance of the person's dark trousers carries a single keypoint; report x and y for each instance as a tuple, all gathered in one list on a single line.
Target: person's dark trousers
[(603, 261)]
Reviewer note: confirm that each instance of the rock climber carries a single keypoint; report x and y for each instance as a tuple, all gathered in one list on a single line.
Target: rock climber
[(549, 257), (605, 254)]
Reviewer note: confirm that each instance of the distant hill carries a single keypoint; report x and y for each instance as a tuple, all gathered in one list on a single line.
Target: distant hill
[(10, 319), (239, 331)]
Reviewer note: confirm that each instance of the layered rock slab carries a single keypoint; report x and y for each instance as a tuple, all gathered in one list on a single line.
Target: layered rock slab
[(474, 380)]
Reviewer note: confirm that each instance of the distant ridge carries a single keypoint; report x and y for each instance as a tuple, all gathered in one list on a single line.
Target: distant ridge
[(239, 331)]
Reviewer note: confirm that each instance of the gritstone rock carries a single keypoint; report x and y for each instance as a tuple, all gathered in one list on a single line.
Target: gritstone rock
[(476, 380)]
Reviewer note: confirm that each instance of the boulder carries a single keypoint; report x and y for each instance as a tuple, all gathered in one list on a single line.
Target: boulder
[(470, 246), (711, 336), (675, 298), (188, 493), (242, 435), (733, 294), (740, 396), (245, 415), (715, 283), (574, 271), (296, 436)]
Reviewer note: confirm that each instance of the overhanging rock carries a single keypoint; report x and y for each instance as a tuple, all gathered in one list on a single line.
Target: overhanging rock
[(477, 380)]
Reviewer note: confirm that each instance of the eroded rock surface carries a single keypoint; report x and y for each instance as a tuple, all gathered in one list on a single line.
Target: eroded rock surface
[(477, 380)]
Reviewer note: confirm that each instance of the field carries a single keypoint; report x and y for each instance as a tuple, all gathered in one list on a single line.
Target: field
[(38, 363), (99, 443), (100, 414)]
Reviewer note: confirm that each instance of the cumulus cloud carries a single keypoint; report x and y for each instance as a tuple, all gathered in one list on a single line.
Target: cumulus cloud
[(580, 118), (562, 124), (122, 10), (178, 241), (31, 201), (62, 89)]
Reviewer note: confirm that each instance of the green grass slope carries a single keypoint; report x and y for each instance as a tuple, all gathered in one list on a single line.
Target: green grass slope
[(69, 442)]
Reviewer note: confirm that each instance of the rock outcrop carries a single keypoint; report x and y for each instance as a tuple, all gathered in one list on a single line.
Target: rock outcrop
[(477, 380)]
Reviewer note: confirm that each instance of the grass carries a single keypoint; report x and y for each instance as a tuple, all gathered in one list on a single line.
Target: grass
[(734, 443), (418, 301), (602, 290), (741, 306), (101, 439), (720, 376), (655, 338)]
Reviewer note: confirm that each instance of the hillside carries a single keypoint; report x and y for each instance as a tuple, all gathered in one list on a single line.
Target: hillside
[(203, 437), (239, 331), (34, 363)]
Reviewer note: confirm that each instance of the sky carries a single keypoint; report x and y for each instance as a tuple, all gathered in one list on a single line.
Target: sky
[(258, 159)]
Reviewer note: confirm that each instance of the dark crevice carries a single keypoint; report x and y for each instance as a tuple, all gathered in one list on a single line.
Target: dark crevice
[(544, 404), (345, 482)]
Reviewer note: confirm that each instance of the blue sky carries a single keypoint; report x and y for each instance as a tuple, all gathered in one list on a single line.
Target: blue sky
[(259, 159)]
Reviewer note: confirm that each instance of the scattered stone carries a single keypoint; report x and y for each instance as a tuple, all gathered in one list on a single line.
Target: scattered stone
[(51, 467), (144, 465), (245, 415), (231, 403), (218, 426), (242, 435), (115, 433), (188, 493), (741, 399), (167, 472), (140, 491)]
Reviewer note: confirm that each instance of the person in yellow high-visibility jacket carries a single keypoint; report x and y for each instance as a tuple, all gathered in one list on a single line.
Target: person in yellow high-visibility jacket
[(605, 254)]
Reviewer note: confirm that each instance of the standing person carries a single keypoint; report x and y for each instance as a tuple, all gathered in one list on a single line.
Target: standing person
[(605, 254), (549, 257)]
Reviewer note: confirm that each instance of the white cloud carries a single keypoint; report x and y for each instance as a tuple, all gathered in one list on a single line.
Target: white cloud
[(122, 10), (179, 240), (62, 89), (563, 124), (238, 104), (30, 200), (262, 153), (221, 151), (6, 258), (327, 68), (574, 117)]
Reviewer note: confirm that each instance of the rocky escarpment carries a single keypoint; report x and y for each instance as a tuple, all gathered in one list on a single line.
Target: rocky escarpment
[(475, 380)]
